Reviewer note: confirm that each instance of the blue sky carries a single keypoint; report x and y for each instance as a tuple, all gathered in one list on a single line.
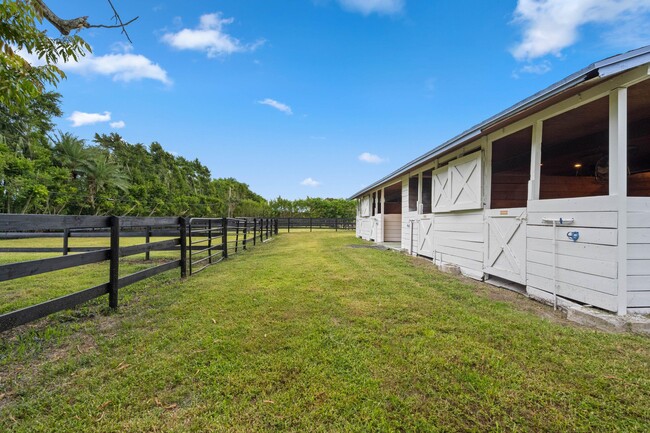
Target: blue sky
[(322, 97)]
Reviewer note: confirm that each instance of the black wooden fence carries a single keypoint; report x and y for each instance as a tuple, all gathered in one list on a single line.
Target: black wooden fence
[(316, 223), (176, 227), (214, 239)]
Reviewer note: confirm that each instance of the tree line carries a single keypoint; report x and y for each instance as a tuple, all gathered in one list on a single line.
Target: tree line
[(49, 172)]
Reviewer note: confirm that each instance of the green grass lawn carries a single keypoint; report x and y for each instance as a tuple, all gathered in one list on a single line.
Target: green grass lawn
[(304, 333)]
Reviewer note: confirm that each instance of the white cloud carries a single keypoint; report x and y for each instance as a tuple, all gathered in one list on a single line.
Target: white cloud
[(120, 66), (549, 26), (371, 158), (79, 118), (117, 125), (367, 7), (310, 182), (277, 105), (210, 37)]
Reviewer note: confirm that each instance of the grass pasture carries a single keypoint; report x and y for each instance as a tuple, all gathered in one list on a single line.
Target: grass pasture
[(305, 333)]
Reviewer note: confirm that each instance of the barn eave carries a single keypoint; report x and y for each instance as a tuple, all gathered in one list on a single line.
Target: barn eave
[(586, 77)]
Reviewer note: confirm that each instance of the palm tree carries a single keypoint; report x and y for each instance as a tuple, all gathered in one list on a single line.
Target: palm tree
[(102, 173), (71, 153)]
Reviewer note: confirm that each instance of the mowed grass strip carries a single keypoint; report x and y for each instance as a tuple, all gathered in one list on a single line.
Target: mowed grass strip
[(305, 333)]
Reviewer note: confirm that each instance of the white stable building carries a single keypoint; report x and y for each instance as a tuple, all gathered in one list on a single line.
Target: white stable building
[(552, 194)]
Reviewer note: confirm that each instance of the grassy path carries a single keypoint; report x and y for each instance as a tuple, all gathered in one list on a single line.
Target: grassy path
[(305, 333)]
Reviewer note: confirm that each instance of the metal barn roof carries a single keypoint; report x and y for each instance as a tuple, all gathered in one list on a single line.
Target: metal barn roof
[(601, 69)]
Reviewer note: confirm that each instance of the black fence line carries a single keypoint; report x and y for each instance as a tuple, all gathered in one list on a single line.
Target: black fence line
[(312, 224), (115, 226), (214, 239)]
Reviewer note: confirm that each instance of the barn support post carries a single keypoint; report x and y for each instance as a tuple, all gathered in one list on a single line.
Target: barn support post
[(224, 238), (66, 237), (114, 267), (535, 161), (183, 235), (618, 183)]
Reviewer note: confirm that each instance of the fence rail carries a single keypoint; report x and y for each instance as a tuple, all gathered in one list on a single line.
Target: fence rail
[(213, 239), (316, 223), (183, 231)]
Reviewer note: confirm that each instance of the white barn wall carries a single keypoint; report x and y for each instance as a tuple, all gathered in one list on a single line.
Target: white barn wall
[(587, 269), (638, 254), (458, 239)]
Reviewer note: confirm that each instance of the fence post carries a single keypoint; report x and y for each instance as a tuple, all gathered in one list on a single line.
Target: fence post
[(266, 227), (147, 239), (254, 231), (224, 237), (210, 241), (183, 235), (245, 232), (310, 224), (336, 224), (261, 229), (236, 236), (276, 225), (66, 236), (288, 225), (114, 270)]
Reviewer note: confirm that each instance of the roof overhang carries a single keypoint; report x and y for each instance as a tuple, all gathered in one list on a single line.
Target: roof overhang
[(596, 71)]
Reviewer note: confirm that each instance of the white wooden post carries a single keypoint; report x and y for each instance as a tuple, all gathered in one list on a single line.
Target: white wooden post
[(618, 182), (486, 194), (418, 208), (535, 162)]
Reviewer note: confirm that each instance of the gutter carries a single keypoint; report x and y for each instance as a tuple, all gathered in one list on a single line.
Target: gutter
[(603, 68)]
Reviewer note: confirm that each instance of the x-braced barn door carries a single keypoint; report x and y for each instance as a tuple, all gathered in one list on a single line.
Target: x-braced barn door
[(425, 239), (373, 229), (505, 246)]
